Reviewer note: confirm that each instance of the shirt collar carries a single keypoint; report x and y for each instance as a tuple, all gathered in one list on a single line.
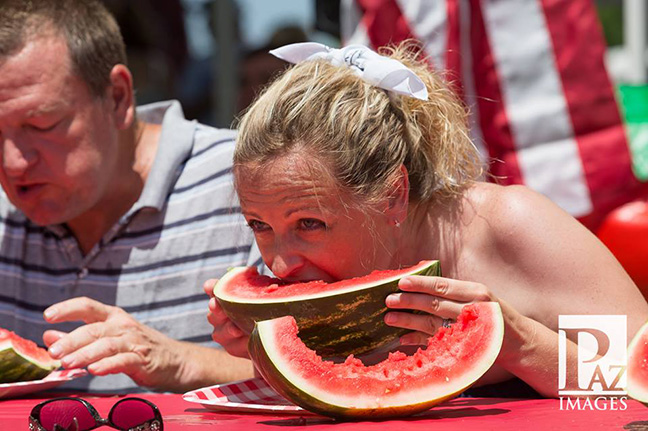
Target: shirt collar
[(176, 142)]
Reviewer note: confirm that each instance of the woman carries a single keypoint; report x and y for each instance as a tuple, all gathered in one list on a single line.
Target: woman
[(343, 165)]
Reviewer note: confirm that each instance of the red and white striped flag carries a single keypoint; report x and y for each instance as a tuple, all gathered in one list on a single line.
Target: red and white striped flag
[(533, 74)]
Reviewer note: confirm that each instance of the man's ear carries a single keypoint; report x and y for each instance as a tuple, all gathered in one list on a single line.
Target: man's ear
[(120, 96), (398, 202)]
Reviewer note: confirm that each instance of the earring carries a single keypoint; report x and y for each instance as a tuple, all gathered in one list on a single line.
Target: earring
[(396, 223)]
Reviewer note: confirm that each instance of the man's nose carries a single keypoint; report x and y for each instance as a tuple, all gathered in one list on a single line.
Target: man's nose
[(16, 158)]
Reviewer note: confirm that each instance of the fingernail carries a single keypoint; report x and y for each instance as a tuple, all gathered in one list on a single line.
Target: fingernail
[(55, 351), (392, 299), (212, 303), (390, 318), (50, 313), (404, 283)]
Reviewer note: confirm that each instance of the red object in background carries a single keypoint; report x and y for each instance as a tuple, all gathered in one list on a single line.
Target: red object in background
[(625, 232), (554, 127)]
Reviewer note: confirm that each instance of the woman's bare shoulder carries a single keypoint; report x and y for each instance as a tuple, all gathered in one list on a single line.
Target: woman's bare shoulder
[(525, 230), (514, 210), (551, 256)]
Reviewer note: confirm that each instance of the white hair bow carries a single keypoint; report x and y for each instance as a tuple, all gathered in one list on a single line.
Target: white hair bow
[(378, 70)]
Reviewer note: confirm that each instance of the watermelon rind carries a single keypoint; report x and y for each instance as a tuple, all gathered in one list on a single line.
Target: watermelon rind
[(280, 376), (18, 367), (637, 384), (334, 323)]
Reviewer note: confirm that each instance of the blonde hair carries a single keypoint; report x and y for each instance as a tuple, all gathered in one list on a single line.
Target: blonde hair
[(363, 133)]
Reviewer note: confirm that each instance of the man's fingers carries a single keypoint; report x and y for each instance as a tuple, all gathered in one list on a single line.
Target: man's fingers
[(81, 308), (129, 363), (51, 336), (94, 352), (80, 337)]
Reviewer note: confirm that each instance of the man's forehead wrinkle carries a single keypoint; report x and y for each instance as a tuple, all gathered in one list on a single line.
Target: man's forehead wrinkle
[(45, 109), (19, 95), (18, 86)]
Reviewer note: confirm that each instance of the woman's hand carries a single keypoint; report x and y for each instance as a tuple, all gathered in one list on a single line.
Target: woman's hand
[(225, 333), (442, 298)]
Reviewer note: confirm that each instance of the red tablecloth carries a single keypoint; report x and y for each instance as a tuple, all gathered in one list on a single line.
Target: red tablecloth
[(459, 414)]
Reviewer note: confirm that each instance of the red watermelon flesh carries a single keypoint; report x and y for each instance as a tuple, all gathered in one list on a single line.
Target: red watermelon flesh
[(638, 366), (249, 284), (25, 347), (455, 358)]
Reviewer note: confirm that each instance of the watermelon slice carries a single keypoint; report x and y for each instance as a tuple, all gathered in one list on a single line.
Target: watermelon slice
[(638, 366), (401, 385), (22, 360), (336, 319)]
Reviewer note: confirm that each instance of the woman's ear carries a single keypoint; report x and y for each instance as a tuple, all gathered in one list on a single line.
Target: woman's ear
[(120, 95), (398, 201)]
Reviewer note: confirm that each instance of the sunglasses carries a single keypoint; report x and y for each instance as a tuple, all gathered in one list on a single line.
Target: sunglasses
[(76, 414)]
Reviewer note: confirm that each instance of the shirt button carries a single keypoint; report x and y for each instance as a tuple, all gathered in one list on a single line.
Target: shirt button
[(82, 273)]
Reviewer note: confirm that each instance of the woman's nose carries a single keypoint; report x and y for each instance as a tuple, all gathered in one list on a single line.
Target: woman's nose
[(287, 266)]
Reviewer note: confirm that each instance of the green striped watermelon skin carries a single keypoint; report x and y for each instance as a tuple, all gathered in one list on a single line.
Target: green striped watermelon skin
[(335, 326), (22, 360), (16, 368)]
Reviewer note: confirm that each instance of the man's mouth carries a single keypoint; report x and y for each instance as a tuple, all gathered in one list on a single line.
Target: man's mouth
[(25, 191)]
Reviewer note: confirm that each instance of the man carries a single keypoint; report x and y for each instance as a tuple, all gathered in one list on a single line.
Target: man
[(112, 218)]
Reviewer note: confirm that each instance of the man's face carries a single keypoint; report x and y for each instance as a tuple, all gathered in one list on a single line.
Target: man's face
[(58, 143)]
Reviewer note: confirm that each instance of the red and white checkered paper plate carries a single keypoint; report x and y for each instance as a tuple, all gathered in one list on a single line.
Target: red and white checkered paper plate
[(252, 395), (55, 378)]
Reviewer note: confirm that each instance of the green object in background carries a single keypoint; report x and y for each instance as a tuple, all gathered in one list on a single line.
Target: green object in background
[(634, 104)]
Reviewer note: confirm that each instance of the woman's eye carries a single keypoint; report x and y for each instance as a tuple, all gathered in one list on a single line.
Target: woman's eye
[(258, 226), (311, 224)]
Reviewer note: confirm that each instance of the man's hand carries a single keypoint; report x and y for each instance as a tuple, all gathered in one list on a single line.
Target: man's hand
[(112, 342)]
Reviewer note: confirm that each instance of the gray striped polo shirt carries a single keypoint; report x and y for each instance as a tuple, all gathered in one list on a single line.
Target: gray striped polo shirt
[(186, 227)]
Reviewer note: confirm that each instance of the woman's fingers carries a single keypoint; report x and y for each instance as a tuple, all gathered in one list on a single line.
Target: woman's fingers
[(233, 340), (208, 286), (424, 323), (414, 339), (438, 298), (444, 308), (216, 313), (448, 288)]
